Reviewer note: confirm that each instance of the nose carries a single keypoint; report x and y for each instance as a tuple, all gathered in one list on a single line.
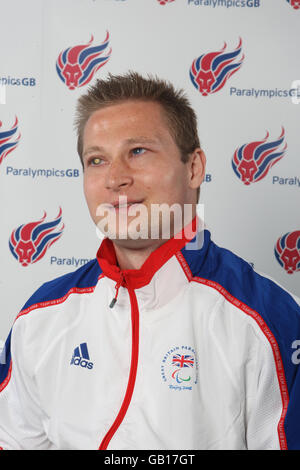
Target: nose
[(118, 176)]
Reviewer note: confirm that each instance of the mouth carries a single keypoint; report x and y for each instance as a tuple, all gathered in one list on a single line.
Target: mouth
[(122, 203), (118, 207), (126, 205)]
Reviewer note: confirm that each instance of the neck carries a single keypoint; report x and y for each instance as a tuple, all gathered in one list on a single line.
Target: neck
[(131, 254), (133, 257)]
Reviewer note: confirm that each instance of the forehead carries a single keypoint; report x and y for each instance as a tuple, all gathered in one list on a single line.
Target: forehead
[(128, 116)]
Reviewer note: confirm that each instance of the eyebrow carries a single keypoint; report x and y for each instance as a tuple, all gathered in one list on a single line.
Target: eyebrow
[(92, 149), (141, 139), (135, 140)]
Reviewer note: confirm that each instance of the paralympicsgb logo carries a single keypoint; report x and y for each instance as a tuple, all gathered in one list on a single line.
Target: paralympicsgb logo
[(210, 72), (294, 3), (251, 162), (29, 242), (77, 65), (287, 251), (8, 140)]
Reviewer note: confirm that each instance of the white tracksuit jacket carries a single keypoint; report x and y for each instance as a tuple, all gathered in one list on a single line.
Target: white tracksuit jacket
[(196, 353)]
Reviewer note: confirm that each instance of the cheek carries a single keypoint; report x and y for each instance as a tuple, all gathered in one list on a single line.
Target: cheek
[(167, 181), (86, 188), (157, 177), (91, 190)]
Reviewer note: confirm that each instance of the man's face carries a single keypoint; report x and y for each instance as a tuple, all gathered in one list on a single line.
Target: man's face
[(128, 151)]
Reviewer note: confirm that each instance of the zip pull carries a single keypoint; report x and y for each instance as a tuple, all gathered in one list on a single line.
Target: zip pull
[(117, 286)]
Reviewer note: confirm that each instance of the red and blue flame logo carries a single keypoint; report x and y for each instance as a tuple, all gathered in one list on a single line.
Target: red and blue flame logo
[(251, 162), (29, 242), (287, 251), (8, 140), (210, 71), (77, 65), (294, 3)]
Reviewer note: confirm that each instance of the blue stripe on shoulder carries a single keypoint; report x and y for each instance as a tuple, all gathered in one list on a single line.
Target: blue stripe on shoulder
[(86, 276), (276, 306)]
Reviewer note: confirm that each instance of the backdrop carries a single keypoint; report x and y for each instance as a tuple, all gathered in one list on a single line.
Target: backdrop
[(238, 61)]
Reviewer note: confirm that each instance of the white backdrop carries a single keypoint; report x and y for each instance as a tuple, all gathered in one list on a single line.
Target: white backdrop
[(162, 39)]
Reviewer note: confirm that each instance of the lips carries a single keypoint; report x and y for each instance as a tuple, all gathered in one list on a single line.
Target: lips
[(121, 206), (125, 207), (124, 203)]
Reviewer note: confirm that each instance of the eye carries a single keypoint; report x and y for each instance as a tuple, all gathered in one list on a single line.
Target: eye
[(138, 151), (94, 161)]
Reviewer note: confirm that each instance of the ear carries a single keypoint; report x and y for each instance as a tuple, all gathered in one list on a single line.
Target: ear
[(197, 164)]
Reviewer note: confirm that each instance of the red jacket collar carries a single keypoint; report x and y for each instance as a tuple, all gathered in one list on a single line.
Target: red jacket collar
[(137, 278)]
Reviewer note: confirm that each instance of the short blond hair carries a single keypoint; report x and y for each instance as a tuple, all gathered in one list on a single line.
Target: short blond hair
[(181, 117)]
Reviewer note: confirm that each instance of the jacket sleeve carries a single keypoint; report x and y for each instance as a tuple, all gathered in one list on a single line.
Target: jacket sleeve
[(264, 405), (273, 409), (21, 417)]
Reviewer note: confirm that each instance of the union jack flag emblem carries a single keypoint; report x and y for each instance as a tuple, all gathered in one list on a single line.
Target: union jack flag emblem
[(180, 360)]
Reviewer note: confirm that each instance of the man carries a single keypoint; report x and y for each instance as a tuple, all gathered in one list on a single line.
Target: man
[(164, 341)]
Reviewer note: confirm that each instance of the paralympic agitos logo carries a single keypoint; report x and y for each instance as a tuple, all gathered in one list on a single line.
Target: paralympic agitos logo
[(77, 65), (29, 242), (9, 140), (251, 162), (210, 72), (287, 251)]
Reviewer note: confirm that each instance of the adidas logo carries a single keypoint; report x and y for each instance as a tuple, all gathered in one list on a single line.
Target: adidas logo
[(81, 357)]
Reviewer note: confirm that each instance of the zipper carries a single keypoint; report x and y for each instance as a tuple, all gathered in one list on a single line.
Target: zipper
[(133, 368), (117, 287)]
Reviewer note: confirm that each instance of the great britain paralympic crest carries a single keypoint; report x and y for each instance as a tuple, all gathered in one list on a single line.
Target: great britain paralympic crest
[(179, 368)]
